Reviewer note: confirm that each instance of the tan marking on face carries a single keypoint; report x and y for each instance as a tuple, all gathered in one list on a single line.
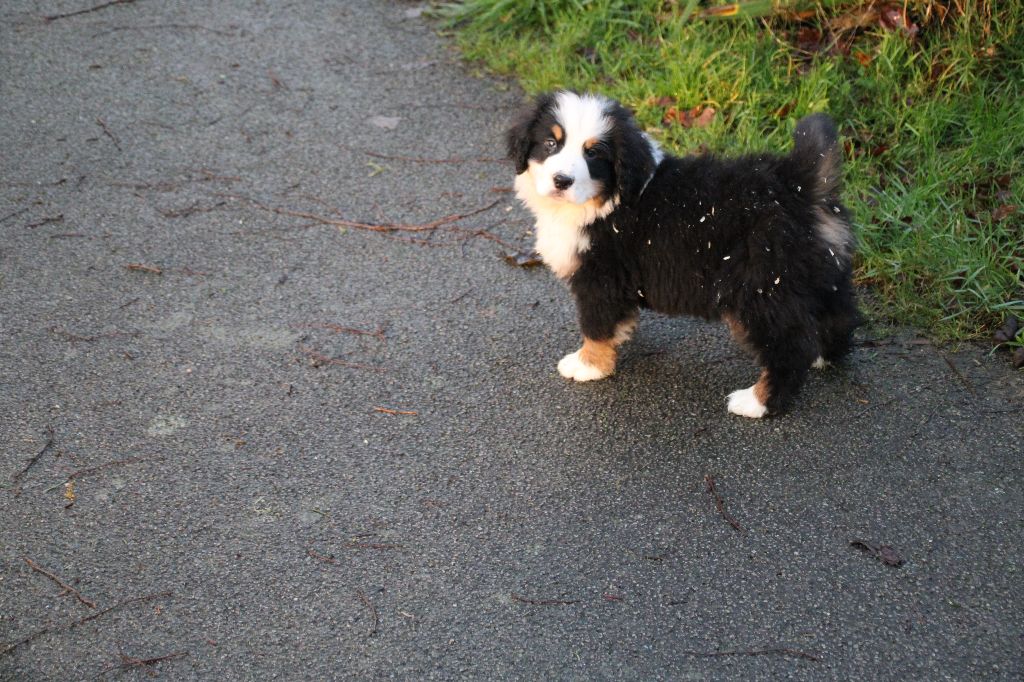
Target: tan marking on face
[(599, 354), (591, 142), (761, 389), (557, 131)]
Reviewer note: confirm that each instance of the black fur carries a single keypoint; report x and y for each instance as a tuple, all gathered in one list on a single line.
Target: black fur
[(735, 238), (524, 136)]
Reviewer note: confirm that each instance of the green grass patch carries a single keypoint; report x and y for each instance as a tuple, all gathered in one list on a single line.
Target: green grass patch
[(933, 123)]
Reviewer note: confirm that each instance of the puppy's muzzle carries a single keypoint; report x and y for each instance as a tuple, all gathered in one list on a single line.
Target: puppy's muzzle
[(562, 181)]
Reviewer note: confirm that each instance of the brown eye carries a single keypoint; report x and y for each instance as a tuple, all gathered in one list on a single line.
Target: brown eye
[(590, 152), (550, 144)]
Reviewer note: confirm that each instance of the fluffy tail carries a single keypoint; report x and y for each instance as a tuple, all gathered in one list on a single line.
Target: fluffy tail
[(816, 151)]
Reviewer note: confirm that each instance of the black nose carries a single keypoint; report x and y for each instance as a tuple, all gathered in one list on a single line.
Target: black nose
[(562, 181)]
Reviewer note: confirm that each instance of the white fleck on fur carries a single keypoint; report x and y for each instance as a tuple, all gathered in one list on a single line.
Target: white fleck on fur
[(820, 363), (572, 367), (835, 232), (745, 404)]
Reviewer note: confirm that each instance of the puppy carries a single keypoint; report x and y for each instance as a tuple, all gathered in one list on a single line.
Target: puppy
[(761, 242)]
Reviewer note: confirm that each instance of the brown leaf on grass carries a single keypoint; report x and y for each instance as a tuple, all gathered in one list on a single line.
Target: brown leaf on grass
[(523, 259), (894, 18), (1003, 212), (783, 111), (884, 553), (809, 39), (863, 57), (861, 17), (697, 117)]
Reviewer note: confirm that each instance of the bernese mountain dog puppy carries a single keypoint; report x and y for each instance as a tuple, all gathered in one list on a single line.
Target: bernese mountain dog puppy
[(761, 241)]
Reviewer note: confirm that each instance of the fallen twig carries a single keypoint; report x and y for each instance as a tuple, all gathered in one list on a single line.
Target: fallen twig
[(371, 545), (106, 131), (709, 482), (387, 410), (50, 440), (959, 375), (276, 81), (146, 27), (67, 588), (316, 555), (55, 17), (357, 225), (189, 210), (373, 611), (15, 214), (144, 268), (319, 359), (129, 662), (869, 408), (59, 218), (35, 566), (99, 467), (544, 602), (420, 159), (782, 651), (68, 336), (338, 329), (81, 621)]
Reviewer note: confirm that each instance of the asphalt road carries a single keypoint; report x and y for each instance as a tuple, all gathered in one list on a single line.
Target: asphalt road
[(189, 425)]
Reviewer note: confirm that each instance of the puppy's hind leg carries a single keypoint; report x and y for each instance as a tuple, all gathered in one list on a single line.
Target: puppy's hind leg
[(784, 372)]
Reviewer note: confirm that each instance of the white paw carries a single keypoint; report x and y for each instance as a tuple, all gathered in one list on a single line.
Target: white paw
[(571, 367), (820, 363), (745, 404)]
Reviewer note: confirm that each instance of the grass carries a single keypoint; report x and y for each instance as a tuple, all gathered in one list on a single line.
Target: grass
[(933, 124)]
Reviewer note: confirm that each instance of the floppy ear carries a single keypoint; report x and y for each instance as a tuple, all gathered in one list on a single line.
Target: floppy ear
[(517, 139), (634, 160)]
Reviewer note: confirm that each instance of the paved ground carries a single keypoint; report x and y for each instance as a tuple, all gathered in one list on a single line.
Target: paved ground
[(219, 483)]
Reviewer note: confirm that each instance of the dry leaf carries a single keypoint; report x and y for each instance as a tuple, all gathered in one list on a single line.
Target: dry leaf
[(858, 18), (894, 18), (884, 553), (697, 117), (783, 111), (1003, 212), (524, 259)]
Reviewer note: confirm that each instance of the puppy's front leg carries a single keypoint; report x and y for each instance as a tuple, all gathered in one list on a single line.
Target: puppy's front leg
[(596, 359)]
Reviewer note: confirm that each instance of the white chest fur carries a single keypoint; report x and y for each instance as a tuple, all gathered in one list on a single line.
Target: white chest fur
[(560, 234)]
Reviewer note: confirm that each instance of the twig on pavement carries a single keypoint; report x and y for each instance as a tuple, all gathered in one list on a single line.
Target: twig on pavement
[(709, 482), (67, 588)]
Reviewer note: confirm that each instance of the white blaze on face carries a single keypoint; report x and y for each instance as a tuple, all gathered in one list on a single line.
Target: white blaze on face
[(582, 119)]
